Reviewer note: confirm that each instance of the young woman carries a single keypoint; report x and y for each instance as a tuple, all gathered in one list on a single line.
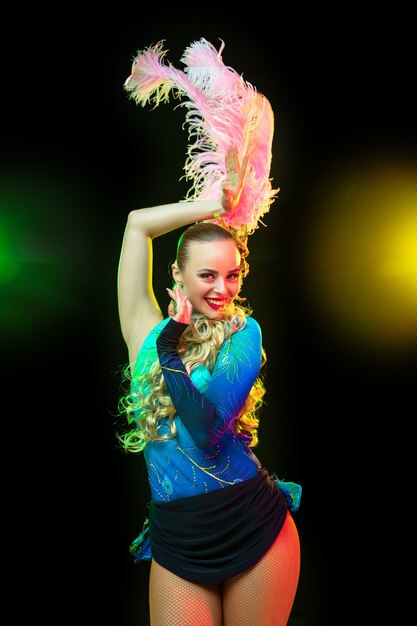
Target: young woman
[(220, 534)]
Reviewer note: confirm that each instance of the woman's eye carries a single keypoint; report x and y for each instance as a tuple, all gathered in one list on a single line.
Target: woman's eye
[(209, 276)]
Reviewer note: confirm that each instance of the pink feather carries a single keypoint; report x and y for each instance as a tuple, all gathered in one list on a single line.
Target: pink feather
[(222, 110)]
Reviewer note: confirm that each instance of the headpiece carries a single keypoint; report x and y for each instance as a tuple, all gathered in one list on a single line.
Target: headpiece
[(222, 110)]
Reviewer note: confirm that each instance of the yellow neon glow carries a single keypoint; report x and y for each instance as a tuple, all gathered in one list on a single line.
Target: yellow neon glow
[(360, 265)]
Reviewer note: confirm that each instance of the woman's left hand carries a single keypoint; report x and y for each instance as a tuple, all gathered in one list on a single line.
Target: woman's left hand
[(184, 308), (234, 183)]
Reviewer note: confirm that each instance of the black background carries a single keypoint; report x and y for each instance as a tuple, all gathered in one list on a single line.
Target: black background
[(79, 155)]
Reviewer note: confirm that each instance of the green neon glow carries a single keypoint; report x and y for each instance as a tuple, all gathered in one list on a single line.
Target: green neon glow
[(45, 249)]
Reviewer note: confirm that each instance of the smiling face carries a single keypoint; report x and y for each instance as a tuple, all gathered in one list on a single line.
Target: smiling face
[(211, 276)]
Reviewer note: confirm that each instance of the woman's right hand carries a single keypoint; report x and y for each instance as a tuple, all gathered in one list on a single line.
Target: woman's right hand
[(183, 307), (235, 179)]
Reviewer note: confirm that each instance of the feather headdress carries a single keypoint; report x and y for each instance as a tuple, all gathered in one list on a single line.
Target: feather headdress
[(222, 110)]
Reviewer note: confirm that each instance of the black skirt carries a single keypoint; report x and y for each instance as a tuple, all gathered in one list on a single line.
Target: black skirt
[(213, 536)]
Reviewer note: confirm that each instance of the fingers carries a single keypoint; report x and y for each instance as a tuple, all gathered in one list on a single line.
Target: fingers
[(235, 170), (176, 295), (236, 173), (232, 160), (232, 157), (184, 311), (180, 308), (171, 309)]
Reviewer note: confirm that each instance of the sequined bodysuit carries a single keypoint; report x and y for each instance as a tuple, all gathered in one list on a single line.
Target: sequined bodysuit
[(206, 453)]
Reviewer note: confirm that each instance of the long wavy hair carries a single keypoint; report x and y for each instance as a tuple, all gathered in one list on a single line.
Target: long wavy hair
[(147, 404)]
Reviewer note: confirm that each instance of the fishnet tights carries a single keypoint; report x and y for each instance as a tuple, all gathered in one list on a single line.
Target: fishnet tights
[(261, 596)]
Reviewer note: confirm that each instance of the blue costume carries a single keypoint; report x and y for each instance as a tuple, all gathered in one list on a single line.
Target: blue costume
[(207, 457)]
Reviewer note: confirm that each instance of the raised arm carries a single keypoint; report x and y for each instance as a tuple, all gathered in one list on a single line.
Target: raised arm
[(139, 311)]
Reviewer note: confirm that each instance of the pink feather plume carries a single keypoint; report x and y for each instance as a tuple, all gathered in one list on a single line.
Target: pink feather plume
[(222, 110)]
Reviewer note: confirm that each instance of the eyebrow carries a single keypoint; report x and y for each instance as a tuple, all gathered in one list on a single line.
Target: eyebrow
[(207, 269)]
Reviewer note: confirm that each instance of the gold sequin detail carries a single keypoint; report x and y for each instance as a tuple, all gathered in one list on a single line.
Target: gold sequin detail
[(220, 480)]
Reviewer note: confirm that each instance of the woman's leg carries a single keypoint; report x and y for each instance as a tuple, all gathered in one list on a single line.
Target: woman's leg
[(265, 593), (174, 601)]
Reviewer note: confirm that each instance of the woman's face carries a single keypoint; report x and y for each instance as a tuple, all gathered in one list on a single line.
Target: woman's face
[(211, 277)]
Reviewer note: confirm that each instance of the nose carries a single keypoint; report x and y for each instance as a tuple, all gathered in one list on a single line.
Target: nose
[(220, 286)]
